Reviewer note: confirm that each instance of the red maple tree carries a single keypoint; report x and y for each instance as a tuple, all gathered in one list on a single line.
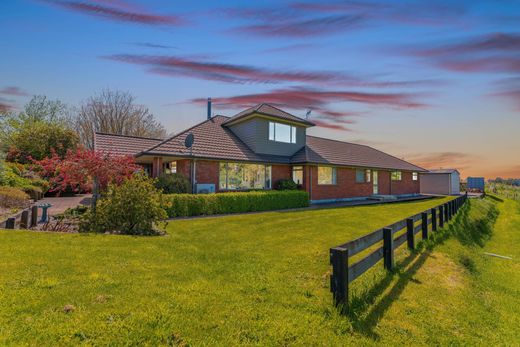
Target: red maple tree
[(78, 169)]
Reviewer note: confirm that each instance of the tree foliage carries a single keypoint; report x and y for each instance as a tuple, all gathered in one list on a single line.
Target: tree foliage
[(115, 112), (42, 126), (77, 170)]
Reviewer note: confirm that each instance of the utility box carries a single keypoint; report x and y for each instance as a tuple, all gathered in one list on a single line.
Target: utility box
[(475, 184), (205, 188)]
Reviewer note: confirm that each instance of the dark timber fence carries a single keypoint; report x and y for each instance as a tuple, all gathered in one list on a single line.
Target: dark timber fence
[(28, 219), (343, 273)]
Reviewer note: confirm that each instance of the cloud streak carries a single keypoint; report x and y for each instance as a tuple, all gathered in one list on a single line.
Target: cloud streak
[(495, 53), (119, 11), (175, 66), (14, 91), (437, 160)]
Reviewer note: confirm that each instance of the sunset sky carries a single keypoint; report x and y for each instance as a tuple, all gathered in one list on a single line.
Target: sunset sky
[(434, 82)]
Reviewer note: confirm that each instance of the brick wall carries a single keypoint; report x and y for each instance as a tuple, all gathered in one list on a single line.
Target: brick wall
[(406, 185), (347, 187), (280, 172)]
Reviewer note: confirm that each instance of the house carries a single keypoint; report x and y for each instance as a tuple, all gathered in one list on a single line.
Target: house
[(440, 182), (263, 144)]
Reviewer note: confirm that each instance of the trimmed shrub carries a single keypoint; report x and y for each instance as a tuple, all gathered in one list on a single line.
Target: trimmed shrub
[(13, 198), (132, 208), (286, 184), (174, 183), (185, 205)]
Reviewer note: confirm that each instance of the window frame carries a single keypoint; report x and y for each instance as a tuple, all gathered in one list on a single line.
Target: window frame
[(297, 168), (334, 175), (272, 132), (397, 173), (415, 176), (267, 182)]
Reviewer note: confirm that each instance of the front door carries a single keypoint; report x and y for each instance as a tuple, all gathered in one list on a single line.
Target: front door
[(375, 183)]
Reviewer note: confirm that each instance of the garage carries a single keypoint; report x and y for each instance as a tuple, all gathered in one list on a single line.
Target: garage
[(440, 182)]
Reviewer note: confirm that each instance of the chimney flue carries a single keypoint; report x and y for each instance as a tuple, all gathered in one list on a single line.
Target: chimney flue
[(209, 108)]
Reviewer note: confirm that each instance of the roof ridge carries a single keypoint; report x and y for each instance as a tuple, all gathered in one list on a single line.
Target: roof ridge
[(132, 136), (179, 134), (279, 109), (375, 149)]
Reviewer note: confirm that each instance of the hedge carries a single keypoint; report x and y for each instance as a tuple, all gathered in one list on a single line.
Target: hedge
[(185, 205)]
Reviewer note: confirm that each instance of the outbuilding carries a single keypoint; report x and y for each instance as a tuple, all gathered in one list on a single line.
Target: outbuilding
[(440, 182)]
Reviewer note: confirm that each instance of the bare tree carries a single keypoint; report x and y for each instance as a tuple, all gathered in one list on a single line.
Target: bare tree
[(115, 112)]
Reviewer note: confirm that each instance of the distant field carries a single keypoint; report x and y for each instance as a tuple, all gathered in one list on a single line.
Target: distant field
[(261, 279)]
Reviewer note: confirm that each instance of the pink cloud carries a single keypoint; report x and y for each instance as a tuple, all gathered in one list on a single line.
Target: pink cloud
[(235, 73), (15, 91), (118, 11)]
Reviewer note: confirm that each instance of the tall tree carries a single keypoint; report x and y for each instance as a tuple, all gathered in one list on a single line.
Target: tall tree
[(115, 112)]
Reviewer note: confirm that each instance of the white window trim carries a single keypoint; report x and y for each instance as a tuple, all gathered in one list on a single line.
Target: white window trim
[(272, 132)]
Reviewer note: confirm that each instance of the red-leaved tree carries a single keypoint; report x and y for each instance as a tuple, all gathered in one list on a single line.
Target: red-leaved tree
[(78, 169)]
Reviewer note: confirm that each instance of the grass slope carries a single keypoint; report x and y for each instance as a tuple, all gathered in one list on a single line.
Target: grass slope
[(255, 279)]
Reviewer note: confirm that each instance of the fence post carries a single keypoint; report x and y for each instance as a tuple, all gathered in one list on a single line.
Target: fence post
[(441, 216), (409, 233), (453, 208), (388, 248), (34, 216), (339, 277), (24, 219), (434, 219), (424, 224), (9, 223), (446, 213)]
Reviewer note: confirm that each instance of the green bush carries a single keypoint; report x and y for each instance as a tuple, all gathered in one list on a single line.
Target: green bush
[(13, 198), (174, 183), (133, 208), (184, 205), (286, 184)]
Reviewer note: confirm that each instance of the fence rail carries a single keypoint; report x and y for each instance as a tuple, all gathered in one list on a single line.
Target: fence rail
[(343, 273)]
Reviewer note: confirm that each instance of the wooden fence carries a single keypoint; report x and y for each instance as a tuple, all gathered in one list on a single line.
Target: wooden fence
[(343, 273)]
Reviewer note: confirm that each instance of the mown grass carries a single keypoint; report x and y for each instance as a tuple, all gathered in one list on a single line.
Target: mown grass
[(249, 279)]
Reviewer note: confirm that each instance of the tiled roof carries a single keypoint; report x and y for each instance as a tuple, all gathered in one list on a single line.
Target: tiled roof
[(122, 144), (212, 141), (325, 151), (268, 110)]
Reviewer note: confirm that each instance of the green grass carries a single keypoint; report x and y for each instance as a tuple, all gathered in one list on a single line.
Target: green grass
[(260, 279)]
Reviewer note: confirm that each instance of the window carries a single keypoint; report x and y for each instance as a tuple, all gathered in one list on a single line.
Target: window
[(360, 176), (297, 174), (363, 176), (282, 132), (415, 176), (326, 175), (238, 176), (396, 175)]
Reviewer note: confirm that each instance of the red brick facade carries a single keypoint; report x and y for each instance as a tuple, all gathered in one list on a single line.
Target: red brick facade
[(345, 187)]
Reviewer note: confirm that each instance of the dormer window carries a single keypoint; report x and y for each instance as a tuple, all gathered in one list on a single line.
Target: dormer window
[(282, 132)]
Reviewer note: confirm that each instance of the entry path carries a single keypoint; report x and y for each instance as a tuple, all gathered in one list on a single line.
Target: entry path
[(60, 204)]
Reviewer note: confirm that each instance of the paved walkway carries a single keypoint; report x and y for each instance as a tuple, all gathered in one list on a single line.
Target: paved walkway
[(60, 204)]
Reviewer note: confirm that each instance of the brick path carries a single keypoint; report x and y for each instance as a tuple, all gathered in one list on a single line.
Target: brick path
[(60, 204)]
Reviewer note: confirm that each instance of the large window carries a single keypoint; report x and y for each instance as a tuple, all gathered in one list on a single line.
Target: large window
[(297, 174), (396, 175), (238, 176), (326, 175), (282, 132)]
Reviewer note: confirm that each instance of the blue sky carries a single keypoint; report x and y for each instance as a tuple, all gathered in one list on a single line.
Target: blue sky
[(436, 82)]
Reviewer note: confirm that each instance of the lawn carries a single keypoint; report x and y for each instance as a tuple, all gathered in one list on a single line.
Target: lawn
[(257, 279)]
